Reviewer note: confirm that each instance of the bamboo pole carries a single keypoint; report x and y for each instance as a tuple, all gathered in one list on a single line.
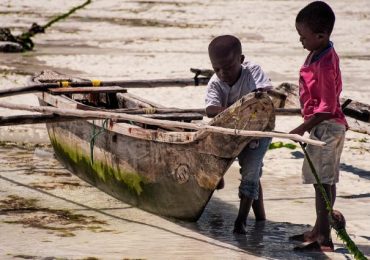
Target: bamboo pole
[(162, 123)]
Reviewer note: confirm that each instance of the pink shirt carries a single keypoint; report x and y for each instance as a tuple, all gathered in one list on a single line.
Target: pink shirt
[(320, 84)]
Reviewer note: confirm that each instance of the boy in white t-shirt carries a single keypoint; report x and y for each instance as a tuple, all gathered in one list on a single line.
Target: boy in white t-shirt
[(234, 77)]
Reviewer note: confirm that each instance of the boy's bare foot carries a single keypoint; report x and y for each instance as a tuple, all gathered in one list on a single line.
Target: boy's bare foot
[(221, 184), (305, 237), (240, 227), (315, 247)]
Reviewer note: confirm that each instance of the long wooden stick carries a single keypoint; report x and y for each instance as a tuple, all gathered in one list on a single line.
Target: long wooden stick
[(36, 119), (124, 84), (53, 118), (120, 83), (142, 111), (164, 123)]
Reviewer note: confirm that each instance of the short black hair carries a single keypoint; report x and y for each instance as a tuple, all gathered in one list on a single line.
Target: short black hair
[(224, 44), (318, 16)]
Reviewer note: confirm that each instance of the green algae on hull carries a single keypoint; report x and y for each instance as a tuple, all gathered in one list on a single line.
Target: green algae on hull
[(98, 168)]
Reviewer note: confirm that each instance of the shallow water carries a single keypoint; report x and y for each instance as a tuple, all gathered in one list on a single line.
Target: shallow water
[(110, 229), (163, 39), (47, 212)]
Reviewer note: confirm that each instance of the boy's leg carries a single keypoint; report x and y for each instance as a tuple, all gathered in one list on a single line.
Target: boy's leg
[(250, 160), (241, 220), (312, 235), (323, 242), (326, 160), (258, 206), (333, 194), (323, 222)]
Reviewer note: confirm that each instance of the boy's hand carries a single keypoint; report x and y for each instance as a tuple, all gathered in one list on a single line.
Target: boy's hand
[(299, 130), (213, 111), (310, 123)]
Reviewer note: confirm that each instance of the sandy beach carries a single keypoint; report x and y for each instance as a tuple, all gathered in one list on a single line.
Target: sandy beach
[(111, 40)]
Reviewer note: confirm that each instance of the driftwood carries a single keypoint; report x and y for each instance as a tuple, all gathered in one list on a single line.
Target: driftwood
[(156, 122)]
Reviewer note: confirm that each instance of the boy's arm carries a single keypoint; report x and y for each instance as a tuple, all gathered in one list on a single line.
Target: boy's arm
[(213, 98), (212, 111), (310, 123)]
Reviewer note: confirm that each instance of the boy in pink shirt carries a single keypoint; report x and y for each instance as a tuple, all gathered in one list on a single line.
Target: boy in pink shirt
[(320, 85)]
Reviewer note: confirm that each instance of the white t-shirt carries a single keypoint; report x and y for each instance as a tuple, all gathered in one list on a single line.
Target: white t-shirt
[(221, 94)]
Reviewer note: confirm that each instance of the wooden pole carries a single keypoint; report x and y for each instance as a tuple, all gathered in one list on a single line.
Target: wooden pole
[(164, 123), (53, 118), (142, 111), (36, 119), (124, 84)]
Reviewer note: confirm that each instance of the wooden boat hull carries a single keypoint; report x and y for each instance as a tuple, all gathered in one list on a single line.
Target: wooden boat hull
[(157, 177), (172, 174)]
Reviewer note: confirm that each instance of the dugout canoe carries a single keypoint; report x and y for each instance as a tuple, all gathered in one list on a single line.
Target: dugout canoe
[(168, 171)]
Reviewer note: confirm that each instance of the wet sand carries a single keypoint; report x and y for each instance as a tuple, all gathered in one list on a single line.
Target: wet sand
[(47, 213)]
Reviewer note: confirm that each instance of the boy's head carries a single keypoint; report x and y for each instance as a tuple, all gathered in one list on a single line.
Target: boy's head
[(314, 24), (225, 53)]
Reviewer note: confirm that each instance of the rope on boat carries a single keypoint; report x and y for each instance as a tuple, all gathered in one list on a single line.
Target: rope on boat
[(339, 228), (94, 135)]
